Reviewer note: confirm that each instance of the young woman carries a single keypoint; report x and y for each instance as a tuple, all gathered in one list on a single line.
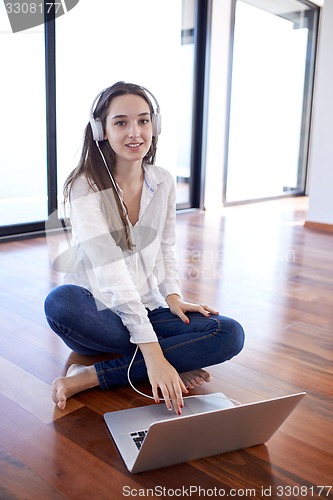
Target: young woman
[(122, 294)]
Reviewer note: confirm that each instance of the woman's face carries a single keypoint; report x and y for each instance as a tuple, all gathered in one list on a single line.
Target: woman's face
[(128, 127)]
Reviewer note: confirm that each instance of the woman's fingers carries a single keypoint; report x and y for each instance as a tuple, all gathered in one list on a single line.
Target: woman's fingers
[(182, 316), (155, 393), (203, 309), (173, 396), (209, 309), (188, 307), (179, 307)]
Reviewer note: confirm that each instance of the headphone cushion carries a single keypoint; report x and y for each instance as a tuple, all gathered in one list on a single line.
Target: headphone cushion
[(97, 130), (156, 123)]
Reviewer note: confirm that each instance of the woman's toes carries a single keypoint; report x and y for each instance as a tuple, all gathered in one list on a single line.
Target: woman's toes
[(61, 404), (206, 377), (59, 392), (195, 378)]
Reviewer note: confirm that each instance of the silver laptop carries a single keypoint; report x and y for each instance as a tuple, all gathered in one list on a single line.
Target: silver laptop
[(151, 437)]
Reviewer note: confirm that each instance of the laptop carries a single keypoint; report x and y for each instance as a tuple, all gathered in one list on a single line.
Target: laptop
[(151, 437)]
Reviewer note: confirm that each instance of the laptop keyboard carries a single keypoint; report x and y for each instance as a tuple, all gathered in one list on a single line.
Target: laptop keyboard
[(138, 438)]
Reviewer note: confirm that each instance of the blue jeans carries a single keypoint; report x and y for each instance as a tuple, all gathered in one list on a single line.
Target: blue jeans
[(72, 313)]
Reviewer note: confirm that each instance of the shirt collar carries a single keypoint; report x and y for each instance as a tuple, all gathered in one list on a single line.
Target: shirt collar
[(153, 177)]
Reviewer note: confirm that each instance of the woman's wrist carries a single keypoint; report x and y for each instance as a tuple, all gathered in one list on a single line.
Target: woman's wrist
[(151, 351), (172, 297)]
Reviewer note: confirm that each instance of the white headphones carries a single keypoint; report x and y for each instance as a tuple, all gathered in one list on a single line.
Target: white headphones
[(97, 126)]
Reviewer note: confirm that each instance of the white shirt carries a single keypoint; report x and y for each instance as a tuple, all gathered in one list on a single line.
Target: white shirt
[(127, 281)]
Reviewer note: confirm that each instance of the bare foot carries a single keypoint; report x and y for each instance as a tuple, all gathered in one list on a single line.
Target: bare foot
[(194, 378), (78, 378)]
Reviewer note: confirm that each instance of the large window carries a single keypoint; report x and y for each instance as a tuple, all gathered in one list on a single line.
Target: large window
[(23, 186), (131, 41), (52, 73), (271, 92)]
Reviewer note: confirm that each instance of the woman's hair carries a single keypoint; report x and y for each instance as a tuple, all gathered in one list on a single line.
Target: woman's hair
[(91, 163)]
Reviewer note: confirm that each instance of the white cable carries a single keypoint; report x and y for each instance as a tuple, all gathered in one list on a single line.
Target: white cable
[(129, 379), (162, 399)]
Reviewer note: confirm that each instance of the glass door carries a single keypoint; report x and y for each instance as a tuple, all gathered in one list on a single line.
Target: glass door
[(271, 89)]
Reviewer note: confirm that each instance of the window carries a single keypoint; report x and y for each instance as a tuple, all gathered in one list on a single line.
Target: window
[(86, 50), (23, 187), (135, 42), (271, 92)]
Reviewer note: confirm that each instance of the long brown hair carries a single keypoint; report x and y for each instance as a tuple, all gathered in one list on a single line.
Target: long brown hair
[(91, 163)]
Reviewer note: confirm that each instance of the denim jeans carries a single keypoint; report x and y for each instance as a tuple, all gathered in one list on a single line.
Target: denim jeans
[(72, 313)]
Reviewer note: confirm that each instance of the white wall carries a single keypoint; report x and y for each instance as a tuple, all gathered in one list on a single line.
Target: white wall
[(321, 145)]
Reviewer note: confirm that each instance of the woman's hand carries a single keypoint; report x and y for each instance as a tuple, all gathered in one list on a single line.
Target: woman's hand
[(179, 307), (162, 375)]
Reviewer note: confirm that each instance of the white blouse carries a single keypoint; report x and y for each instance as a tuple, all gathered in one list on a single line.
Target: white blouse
[(127, 281)]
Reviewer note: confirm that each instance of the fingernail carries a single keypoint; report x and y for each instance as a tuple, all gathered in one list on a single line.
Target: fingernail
[(187, 321), (179, 412), (181, 405)]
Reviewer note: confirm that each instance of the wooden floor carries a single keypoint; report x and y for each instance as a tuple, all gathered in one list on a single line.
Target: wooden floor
[(256, 263)]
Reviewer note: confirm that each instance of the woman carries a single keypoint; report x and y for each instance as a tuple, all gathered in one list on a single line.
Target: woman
[(123, 292)]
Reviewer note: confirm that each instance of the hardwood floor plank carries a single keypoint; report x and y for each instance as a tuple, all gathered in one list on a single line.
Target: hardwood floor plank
[(17, 481), (291, 370), (41, 353), (263, 466), (29, 392), (68, 468), (299, 458)]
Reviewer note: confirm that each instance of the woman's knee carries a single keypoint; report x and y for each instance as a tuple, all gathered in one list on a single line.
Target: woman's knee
[(53, 300), (60, 302), (238, 336), (232, 336)]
